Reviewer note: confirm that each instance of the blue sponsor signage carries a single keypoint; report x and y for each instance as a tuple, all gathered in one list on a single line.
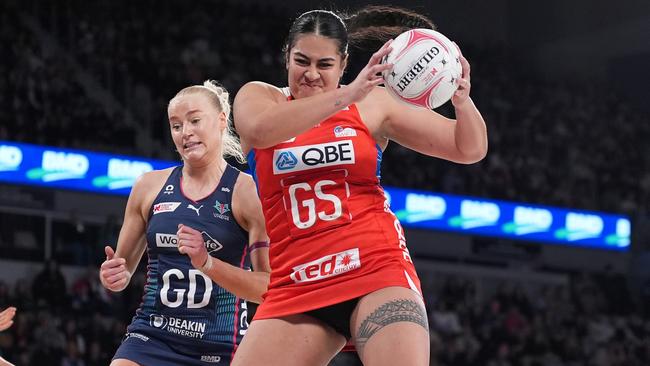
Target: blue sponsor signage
[(115, 174), (511, 220), (72, 169)]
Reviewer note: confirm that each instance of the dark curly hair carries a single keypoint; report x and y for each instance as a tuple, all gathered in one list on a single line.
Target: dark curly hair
[(367, 29)]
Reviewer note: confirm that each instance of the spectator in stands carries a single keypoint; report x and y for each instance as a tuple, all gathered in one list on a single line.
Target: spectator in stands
[(49, 286)]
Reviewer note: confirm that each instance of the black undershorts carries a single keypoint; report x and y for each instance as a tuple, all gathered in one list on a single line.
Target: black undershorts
[(337, 316)]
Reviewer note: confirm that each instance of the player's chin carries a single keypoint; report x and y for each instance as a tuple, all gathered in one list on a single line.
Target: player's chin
[(194, 155)]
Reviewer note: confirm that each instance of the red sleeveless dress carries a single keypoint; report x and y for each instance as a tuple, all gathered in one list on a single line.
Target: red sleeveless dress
[(333, 236)]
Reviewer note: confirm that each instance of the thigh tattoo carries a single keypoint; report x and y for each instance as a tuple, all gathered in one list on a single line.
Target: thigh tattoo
[(395, 311)]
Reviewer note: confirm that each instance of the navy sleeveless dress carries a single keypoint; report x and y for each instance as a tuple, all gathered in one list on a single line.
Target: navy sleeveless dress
[(186, 318)]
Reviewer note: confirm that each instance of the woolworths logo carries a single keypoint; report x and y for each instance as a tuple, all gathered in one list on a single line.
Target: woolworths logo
[(57, 166), (121, 173), (475, 214)]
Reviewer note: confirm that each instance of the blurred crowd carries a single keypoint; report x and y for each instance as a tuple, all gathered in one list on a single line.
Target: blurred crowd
[(67, 324), (99, 75), (472, 321), (581, 324)]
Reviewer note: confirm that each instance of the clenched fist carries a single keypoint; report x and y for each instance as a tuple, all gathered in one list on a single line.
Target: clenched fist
[(113, 273)]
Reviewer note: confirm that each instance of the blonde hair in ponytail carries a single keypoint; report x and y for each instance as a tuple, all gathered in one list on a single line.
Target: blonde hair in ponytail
[(220, 97)]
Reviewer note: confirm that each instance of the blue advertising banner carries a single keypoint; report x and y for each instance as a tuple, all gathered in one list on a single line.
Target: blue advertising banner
[(115, 174), (519, 221), (72, 169)]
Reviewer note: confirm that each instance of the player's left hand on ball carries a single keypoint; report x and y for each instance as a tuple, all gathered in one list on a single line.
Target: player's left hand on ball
[(190, 242), (461, 95), (371, 75)]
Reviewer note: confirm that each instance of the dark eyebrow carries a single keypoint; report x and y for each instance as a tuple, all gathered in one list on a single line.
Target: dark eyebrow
[(326, 59)]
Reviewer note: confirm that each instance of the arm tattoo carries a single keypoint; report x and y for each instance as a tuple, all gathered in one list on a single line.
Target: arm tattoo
[(401, 310)]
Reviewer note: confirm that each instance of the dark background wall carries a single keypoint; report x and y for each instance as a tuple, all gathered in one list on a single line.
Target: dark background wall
[(584, 39)]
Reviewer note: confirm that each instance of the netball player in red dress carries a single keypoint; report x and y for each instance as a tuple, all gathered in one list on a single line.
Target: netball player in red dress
[(340, 266)]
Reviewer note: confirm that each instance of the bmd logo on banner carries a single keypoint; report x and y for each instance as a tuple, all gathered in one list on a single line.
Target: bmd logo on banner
[(528, 220), (475, 214), (122, 173), (57, 166), (579, 226)]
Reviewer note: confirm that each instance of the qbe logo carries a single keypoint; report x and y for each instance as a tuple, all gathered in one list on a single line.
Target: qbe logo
[(286, 160), (308, 157), (327, 266)]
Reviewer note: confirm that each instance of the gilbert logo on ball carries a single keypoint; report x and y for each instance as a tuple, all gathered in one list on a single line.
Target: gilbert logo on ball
[(426, 67)]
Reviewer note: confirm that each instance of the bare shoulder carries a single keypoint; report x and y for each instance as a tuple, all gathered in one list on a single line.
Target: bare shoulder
[(381, 95), (246, 205), (374, 110), (146, 187), (153, 178), (260, 88), (245, 185), (378, 100)]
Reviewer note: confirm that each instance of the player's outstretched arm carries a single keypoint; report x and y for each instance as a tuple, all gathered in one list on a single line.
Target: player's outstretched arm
[(263, 117), (115, 272)]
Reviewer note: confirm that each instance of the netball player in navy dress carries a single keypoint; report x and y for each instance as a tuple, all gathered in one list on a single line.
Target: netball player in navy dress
[(202, 226)]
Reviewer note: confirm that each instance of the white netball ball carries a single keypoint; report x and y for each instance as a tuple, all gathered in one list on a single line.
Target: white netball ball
[(426, 67)]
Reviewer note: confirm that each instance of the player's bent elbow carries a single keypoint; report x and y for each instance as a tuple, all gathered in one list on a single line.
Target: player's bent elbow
[(260, 137), (474, 156), (252, 133), (256, 140)]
